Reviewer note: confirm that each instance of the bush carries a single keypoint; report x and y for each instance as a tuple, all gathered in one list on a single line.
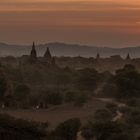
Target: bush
[(102, 115), (22, 92), (87, 132), (22, 95), (70, 97), (127, 81), (68, 130), (133, 116), (54, 98), (122, 136), (80, 99), (3, 85), (17, 129), (134, 102), (112, 107), (87, 79), (105, 130)]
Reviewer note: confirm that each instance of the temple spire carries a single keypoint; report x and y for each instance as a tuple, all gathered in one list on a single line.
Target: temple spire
[(48, 56), (98, 56), (33, 47), (47, 53), (33, 54), (128, 57)]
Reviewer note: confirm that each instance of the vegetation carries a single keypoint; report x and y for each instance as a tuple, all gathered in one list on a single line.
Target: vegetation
[(68, 130), (32, 85), (17, 129), (128, 81), (29, 86), (3, 85), (107, 129)]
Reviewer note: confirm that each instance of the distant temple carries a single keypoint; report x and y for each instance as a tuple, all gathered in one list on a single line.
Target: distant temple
[(98, 56), (101, 64), (33, 54), (46, 59), (128, 57), (47, 56)]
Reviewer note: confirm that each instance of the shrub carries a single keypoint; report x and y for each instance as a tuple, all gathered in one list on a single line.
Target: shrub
[(68, 130)]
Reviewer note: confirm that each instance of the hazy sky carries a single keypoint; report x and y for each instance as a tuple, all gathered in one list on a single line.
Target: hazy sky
[(114, 23)]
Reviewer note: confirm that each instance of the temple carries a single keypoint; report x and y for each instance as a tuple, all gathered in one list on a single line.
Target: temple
[(47, 56), (98, 56), (99, 63), (33, 54), (128, 57), (47, 59)]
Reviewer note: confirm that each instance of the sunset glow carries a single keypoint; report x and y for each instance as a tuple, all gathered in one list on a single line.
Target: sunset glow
[(114, 23)]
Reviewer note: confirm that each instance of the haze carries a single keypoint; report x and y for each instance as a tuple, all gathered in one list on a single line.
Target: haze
[(113, 23)]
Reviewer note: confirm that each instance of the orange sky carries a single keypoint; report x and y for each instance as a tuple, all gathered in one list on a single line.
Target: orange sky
[(114, 23)]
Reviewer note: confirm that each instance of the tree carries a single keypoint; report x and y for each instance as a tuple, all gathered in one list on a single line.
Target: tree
[(112, 107), (87, 132), (18, 129), (87, 79), (128, 82), (68, 130), (122, 136), (133, 116), (105, 130), (80, 99), (103, 115), (3, 85), (21, 94), (54, 98), (70, 96)]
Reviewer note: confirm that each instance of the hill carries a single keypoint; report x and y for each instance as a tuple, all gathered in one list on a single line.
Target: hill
[(62, 49)]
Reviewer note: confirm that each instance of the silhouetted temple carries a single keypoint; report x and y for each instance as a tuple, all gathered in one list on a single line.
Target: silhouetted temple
[(128, 57), (48, 56), (98, 56), (111, 63), (33, 54), (101, 64), (47, 59)]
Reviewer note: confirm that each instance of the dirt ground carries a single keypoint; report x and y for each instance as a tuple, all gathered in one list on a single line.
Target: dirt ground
[(58, 114)]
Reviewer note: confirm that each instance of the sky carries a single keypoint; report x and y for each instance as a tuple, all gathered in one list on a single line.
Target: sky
[(110, 23)]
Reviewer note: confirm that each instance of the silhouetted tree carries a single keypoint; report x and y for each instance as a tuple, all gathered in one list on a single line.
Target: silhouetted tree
[(22, 94), (128, 82), (68, 130), (87, 79), (3, 85)]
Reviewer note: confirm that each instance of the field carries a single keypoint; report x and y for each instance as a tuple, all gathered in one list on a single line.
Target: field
[(58, 114)]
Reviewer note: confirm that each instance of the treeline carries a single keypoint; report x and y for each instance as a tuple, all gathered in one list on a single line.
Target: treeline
[(30, 85)]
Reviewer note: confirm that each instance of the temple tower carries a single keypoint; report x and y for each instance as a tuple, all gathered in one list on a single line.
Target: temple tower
[(128, 57), (33, 54), (98, 56), (48, 56)]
